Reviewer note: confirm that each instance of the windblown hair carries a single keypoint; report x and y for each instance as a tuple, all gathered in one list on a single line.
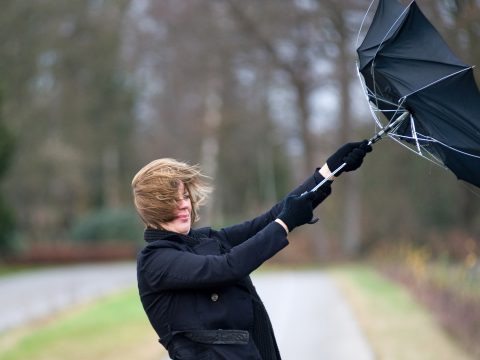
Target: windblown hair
[(155, 190)]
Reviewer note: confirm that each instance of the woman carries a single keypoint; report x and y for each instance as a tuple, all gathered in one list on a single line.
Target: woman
[(194, 284)]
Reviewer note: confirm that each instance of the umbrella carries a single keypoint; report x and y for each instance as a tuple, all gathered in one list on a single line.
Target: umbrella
[(420, 94)]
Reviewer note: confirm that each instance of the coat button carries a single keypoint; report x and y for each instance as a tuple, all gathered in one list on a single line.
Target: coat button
[(214, 297)]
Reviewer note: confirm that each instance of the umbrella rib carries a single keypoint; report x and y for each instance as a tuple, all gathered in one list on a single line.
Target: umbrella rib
[(433, 140), (363, 21), (375, 110), (414, 133), (373, 78), (383, 100), (366, 94), (437, 81), (429, 138), (433, 159)]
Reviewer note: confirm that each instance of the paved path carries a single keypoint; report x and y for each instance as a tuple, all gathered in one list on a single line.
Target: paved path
[(310, 318), (32, 295)]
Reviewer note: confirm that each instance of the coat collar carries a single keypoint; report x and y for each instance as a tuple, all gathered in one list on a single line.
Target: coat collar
[(151, 235)]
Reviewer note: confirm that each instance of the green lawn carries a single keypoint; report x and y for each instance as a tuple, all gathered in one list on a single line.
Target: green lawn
[(395, 325), (13, 269), (111, 328)]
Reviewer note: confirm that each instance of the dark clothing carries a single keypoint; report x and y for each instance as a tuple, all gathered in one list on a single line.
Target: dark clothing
[(191, 286)]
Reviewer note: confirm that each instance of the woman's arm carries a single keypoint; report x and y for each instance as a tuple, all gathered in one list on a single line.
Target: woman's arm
[(236, 234), (349, 155), (169, 268)]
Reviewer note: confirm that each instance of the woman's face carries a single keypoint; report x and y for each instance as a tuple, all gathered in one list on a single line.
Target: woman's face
[(182, 221)]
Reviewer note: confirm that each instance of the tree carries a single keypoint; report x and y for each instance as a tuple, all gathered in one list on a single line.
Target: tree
[(6, 213), (69, 105)]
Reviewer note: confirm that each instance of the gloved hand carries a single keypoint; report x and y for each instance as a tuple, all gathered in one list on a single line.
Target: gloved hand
[(297, 210), (351, 153), (321, 194)]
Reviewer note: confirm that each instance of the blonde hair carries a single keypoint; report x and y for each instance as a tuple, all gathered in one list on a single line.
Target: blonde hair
[(155, 190)]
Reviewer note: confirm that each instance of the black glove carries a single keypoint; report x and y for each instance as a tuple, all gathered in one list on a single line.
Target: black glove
[(297, 210), (321, 194), (351, 153)]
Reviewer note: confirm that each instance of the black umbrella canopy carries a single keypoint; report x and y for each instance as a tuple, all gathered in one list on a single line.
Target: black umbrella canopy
[(388, 18), (407, 66)]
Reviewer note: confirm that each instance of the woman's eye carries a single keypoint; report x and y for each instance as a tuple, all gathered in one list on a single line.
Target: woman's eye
[(185, 197)]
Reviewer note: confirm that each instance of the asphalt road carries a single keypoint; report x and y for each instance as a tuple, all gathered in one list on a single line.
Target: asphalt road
[(310, 317), (33, 295)]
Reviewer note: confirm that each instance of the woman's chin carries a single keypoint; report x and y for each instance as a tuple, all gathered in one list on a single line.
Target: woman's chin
[(183, 227), (185, 230)]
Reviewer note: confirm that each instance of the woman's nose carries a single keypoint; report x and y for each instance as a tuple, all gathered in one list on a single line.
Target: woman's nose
[(182, 203)]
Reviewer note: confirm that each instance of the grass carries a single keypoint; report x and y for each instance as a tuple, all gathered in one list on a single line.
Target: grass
[(395, 325), (14, 269), (114, 327), (458, 278)]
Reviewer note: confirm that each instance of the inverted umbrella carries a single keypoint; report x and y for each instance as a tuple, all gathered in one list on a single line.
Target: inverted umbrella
[(419, 92)]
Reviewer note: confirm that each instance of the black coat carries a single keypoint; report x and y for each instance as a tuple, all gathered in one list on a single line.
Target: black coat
[(200, 281)]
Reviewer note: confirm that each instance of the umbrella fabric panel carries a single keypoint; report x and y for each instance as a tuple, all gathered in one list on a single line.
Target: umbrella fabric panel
[(385, 23), (417, 39), (407, 66), (465, 167), (449, 112), (382, 89), (416, 57), (406, 76)]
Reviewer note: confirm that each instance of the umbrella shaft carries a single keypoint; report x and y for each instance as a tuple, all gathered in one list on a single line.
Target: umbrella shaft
[(379, 135)]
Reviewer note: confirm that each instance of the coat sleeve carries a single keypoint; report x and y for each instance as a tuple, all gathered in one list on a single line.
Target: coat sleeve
[(170, 268), (236, 234)]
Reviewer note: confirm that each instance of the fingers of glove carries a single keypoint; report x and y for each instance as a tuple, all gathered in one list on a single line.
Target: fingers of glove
[(297, 210), (362, 145), (308, 196), (338, 158), (354, 160), (335, 160), (319, 199), (358, 154), (355, 155), (321, 194), (303, 203), (295, 203), (365, 147), (354, 166), (325, 191), (354, 145)]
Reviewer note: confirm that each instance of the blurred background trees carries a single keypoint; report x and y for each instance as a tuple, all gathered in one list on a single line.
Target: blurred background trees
[(7, 222), (258, 93)]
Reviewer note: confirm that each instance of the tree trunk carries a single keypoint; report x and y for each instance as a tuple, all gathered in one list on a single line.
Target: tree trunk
[(210, 144), (351, 230)]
